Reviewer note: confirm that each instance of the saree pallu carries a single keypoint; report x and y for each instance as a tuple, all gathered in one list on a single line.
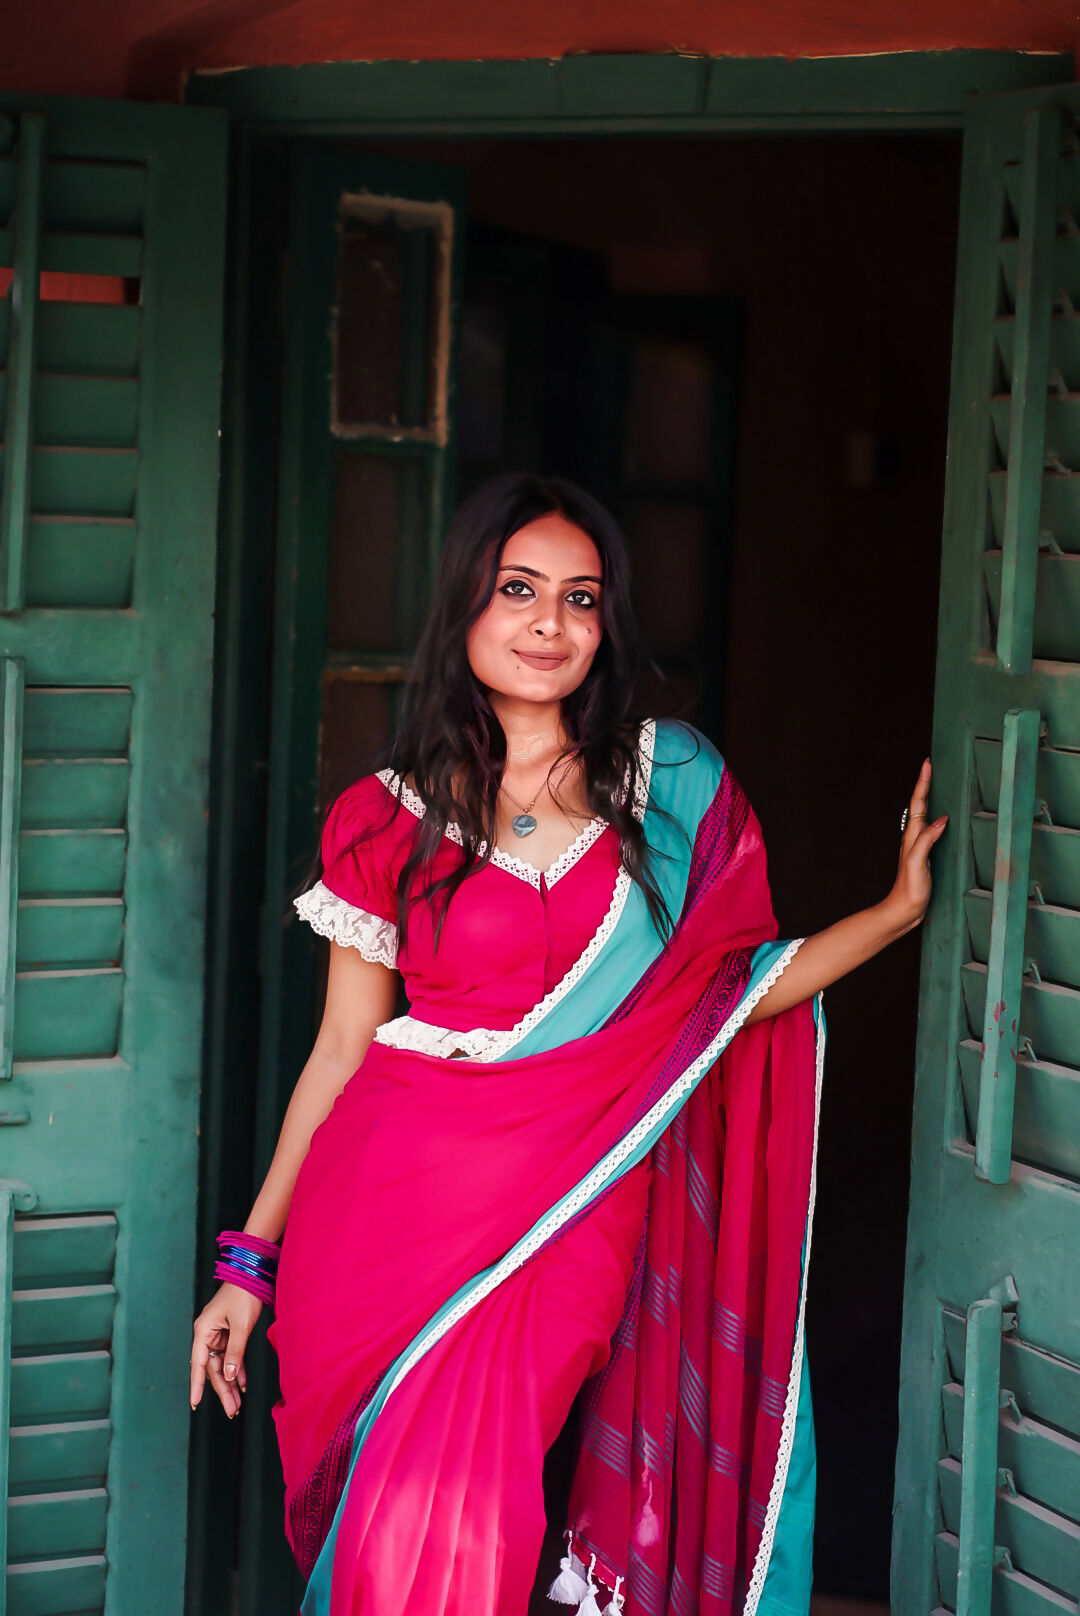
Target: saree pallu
[(622, 1199)]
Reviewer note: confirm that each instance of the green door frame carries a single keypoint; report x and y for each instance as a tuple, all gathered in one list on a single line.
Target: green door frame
[(271, 108)]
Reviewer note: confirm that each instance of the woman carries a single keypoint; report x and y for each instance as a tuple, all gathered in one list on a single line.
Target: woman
[(584, 1156)]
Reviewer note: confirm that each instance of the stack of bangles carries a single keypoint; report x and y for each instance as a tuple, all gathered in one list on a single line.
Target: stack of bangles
[(249, 1262)]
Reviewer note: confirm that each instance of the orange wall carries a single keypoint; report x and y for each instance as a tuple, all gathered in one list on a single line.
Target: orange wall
[(142, 47)]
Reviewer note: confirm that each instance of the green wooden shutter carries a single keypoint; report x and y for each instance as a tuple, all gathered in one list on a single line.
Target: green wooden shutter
[(112, 220), (988, 1471)]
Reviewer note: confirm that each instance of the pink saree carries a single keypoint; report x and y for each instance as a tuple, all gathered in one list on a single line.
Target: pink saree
[(618, 1198)]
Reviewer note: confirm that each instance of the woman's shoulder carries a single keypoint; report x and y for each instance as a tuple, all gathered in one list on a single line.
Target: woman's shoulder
[(370, 806)]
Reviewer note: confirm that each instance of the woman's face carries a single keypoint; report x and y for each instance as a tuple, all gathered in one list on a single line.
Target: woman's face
[(537, 636)]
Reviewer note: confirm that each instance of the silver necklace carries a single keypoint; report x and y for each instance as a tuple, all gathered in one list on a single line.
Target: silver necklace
[(524, 823)]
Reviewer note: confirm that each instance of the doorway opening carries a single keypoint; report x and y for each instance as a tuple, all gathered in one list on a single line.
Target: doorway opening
[(743, 345)]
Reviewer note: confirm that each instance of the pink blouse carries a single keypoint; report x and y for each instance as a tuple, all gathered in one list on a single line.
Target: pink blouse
[(512, 933)]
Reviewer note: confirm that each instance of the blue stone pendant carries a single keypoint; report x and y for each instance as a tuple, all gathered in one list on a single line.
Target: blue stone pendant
[(523, 824)]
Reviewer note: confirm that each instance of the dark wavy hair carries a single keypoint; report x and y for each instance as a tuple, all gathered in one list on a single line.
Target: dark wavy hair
[(450, 742)]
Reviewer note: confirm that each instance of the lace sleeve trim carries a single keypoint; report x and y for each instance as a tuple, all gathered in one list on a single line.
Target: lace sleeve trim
[(343, 922)]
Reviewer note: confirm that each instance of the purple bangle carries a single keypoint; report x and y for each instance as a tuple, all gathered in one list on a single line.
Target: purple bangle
[(246, 1282), (236, 1237), (248, 1261)]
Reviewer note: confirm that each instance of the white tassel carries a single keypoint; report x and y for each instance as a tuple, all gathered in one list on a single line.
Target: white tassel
[(569, 1587), (589, 1605), (617, 1601)]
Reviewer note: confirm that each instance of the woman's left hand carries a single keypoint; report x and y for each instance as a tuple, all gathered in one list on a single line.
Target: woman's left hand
[(911, 889)]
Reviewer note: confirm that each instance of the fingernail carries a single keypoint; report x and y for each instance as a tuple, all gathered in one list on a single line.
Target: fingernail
[(193, 1408)]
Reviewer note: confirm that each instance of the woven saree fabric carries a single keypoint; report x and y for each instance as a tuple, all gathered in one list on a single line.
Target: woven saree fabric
[(618, 1198)]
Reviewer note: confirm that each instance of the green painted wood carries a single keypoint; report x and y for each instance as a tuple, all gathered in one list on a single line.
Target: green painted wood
[(1046, 1116), (83, 723), (1064, 346), (922, 88), (633, 85), (11, 744), (59, 1248), (11, 719), (60, 1454), (964, 1231), (1041, 1542), (982, 1384), (95, 197), (45, 1524), (1027, 416), (1014, 1594), (57, 1587), (74, 338), (78, 481), (80, 562), (1062, 427), (68, 1014), (95, 411), (18, 409), (7, 1269), (1049, 1014), (1066, 253), (1046, 1388), (81, 793), (1045, 1462), (56, 1384), (82, 862), (1055, 606), (78, 648), (1055, 860), (1005, 948), (84, 195), (71, 253), (46, 1316), (70, 931), (1057, 780), (1051, 945), (1051, 687)]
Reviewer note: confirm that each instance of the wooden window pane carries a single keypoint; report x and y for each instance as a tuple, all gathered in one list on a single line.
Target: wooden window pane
[(392, 320), (381, 515)]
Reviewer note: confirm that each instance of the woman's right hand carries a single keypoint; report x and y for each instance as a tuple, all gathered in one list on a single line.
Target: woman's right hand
[(220, 1339)]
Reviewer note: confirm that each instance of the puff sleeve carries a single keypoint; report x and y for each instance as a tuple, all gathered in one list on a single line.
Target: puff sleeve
[(355, 902)]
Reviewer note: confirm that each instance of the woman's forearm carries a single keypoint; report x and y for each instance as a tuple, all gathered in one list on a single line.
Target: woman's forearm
[(831, 953), (318, 1086)]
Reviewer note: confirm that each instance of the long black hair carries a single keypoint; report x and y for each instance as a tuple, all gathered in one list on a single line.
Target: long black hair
[(451, 744)]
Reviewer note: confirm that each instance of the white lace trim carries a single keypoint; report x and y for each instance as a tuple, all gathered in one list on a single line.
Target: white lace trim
[(490, 1043), (343, 922), (570, 855), (590, 1186)]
